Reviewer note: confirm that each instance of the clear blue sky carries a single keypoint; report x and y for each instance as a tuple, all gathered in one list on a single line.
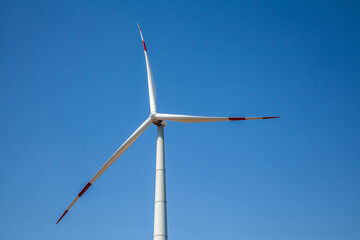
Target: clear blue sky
[(73, 88)]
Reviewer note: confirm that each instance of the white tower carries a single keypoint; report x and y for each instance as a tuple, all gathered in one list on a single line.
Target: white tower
[(160, 218)]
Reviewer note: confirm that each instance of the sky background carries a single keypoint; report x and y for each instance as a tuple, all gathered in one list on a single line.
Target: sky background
[(73, 88)]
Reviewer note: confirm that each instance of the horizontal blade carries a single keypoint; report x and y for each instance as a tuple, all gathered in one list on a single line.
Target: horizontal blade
[(194, 119), (111, 160), (151, 84)]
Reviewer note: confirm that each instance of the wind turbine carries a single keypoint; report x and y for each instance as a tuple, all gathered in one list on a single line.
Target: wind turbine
[(158, 119)]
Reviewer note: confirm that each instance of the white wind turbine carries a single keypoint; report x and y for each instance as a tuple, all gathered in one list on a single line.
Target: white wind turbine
[(160, 220)]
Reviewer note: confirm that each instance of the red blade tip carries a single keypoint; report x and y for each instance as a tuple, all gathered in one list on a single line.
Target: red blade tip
[(271, 117), (62, 216)]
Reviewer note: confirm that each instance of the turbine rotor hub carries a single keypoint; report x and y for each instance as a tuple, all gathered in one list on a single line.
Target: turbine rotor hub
[(153, 117), (156, 121)]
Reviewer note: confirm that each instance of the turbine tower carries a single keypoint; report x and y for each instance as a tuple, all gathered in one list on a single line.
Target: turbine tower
[(158, 119)]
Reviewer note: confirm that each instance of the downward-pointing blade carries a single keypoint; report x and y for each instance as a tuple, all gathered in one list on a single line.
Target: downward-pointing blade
[(111, 160), (194, 119)]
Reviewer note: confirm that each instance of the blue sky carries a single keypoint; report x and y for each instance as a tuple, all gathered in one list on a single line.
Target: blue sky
[(73, 88)]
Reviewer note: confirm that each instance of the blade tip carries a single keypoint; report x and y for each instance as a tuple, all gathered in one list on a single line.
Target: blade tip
[(271, 117), (62, 216)]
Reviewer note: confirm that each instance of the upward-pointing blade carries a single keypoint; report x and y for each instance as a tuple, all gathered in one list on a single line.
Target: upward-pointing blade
[(152, 91), (111, 160)]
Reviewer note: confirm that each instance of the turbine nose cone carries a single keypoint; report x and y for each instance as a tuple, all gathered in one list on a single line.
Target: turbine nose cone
[(153, 117)]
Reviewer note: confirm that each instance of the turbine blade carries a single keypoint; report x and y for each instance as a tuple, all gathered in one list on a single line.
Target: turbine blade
[(111, 160), (151, 85), (194, 119)]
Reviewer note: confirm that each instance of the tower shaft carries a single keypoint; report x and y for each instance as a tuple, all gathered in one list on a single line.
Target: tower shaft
[(160, 218)]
